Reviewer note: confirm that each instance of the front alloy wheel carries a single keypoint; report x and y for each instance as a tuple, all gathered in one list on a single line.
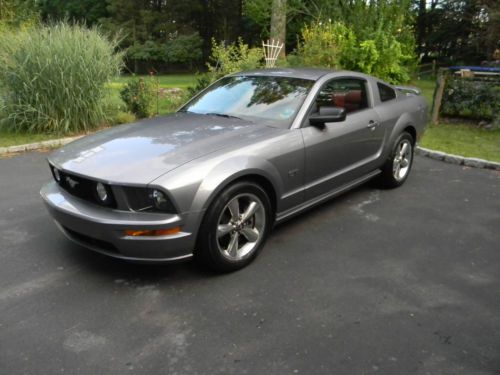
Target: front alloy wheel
[(240, 226), (235, 227)]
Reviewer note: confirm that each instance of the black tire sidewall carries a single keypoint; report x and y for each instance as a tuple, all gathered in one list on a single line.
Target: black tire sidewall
[(207, 250)]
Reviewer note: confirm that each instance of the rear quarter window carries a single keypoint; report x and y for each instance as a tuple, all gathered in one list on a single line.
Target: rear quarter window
[(386, 93)]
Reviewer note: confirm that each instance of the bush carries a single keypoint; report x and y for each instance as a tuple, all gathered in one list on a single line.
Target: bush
[(140, 97), (336, 45), (179, 49), (233, 58), (202, 81), (228, 59), (325, 45), (478, 99), (54, 77)]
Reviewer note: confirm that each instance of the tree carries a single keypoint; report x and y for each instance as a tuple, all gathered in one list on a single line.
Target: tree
[(278, 23), (86, 11), (458, 31)]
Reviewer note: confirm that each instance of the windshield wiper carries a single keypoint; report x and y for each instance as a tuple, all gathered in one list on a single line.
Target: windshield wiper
[(222, 115)]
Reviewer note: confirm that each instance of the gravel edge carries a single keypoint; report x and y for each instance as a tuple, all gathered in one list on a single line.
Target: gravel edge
[(438, 155), (457, 159)]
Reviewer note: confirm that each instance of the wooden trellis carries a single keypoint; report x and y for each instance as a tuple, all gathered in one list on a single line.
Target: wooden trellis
[(272, 50)]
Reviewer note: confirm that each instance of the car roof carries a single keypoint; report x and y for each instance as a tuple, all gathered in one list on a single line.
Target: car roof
[(304, 73)]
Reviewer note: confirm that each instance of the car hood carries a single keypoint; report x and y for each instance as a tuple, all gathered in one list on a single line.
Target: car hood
[(141, 152)]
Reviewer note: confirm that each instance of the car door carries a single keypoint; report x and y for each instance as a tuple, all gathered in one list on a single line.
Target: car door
[(340, 152)]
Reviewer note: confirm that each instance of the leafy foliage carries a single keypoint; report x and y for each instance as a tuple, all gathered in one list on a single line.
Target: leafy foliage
[(463, 31), (139, 95), (184, 49), (54, 78), (227, 59), (326, 45), (83, 11), (475, 99), (18, 14), (233, 58), (336, 45)]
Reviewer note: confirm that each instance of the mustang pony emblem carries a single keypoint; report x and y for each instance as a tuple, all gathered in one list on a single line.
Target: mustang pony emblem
[(72, 183)]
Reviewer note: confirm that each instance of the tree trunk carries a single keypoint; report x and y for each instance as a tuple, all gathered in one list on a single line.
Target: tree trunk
[(278, 23), (421, 24)]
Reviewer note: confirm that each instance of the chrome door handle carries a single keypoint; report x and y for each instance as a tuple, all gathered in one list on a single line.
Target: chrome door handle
[(373, 124)]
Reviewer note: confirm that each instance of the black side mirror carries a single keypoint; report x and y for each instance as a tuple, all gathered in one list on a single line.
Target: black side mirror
[(327, 114)]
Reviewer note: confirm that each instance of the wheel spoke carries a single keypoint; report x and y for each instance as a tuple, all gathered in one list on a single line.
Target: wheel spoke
[(223, 229), (396, 171), (404, 163), (232, 249), (250, 211), (395, 165), (234, 209), (403, 149), (251, 234)]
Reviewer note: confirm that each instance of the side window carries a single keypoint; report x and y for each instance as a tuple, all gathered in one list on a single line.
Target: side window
[(386, 93), (348, 93)]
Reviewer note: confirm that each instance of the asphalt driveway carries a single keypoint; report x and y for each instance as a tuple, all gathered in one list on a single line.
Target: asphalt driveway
[(392, 282)]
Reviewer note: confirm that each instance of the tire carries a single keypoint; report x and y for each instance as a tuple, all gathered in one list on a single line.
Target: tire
[(227, 240), (398, 165)]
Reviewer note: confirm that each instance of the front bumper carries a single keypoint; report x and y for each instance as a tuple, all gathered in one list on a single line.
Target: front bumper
[(103, 230)]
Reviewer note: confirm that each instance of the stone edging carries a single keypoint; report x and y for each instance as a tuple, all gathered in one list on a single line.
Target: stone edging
[(37, 145), (457, 159)]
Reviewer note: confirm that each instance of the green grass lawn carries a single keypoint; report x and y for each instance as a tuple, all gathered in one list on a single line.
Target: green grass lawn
[(168, 81), (465, 140), (427, 87), (458, 138), (12, 139)]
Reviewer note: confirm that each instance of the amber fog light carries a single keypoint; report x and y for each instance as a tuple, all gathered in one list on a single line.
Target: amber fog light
[(154, 232)]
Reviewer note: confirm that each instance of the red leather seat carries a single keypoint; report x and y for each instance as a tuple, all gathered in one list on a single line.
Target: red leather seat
[(350, 100)]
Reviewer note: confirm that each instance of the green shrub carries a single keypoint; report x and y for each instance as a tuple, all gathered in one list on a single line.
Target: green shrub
[(202, 81), (336, 45), (140, 96), (54, 77), (234, 57), (227, 59), (325, 45), (172, 99), (477, 99)]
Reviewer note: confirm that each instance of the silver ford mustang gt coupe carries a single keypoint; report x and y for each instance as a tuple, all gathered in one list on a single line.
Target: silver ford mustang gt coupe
[(251, 150)]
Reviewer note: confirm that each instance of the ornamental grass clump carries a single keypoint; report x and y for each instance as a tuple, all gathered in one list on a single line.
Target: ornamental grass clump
[(53, 78)]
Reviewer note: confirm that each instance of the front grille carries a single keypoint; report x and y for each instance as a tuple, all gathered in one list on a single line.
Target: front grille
[(94, 242), (84, 188)]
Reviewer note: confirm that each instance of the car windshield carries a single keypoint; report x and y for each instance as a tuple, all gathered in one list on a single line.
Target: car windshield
[(271, 99)]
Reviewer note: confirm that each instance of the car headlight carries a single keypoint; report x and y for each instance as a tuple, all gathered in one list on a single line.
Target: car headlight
[(57, 176), (102, 193), (148, 200), (160, 200)]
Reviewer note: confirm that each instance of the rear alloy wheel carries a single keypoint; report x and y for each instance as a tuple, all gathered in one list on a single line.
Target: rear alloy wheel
[(397, 167), (235, 227)]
